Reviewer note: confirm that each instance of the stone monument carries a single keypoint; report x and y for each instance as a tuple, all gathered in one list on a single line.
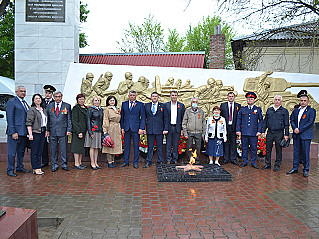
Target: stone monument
[(46, 42)]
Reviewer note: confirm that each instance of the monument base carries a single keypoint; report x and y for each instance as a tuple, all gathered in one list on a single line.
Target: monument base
[(18, 223), (209, 173)]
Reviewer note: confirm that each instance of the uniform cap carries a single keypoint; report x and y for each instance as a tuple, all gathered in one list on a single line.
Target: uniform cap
[(302, 93), (251, 95), (49, 88)]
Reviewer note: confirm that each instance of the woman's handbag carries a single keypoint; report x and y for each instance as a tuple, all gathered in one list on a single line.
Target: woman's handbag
[(107, 141)]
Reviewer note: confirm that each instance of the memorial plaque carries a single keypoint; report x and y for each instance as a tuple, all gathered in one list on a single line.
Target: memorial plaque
[(45, 11)]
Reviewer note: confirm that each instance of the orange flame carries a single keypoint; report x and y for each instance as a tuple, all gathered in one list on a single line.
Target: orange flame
[(192, 159)]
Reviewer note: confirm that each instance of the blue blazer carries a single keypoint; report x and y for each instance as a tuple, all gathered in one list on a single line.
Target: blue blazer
[(249, 122), (305, 124), (134, 119), (180, 115), (156, 124), (16, 117), (61, 124)]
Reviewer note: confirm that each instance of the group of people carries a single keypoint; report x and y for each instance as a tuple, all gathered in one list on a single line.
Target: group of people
[(52, 120)]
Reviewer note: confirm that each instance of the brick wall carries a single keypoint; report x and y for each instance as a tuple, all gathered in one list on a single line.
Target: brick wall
[(217, 51)]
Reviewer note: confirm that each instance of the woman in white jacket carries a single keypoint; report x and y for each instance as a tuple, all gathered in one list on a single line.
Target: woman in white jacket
[(216, 134)]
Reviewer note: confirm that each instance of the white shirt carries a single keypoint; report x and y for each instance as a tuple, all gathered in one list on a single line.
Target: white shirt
[(301, 111), (173, 113), (25, 105), (44, 119), (58, 104), (155, 104), (276, 108), (232, 113)]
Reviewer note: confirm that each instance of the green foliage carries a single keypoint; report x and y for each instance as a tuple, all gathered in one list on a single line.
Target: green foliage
[(7, 42), (198, 38), (83, 17), (174, 43), (149, 38), (145, 38)]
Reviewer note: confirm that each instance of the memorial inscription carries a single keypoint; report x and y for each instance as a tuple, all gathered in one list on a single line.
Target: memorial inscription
[(45, 11)]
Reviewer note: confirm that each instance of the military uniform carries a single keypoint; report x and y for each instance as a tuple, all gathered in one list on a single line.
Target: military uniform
[(249, 122)]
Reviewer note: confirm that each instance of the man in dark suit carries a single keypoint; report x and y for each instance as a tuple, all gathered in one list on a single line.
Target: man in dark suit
[(175, 114), (16, 110), (229, 110), (248, 127), (132, 125), (156, 127), (48, 98), (59, 127), (302, 120)]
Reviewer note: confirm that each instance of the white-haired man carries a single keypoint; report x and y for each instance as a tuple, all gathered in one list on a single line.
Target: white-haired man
[(277, 122)]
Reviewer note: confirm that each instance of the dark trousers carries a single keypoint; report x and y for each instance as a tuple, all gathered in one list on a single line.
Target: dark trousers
[(62, 142), (271, 137), (45, 153), (198, 142), (301, 146), (36, 149), (252, 142), (15, 147), (127, 144), (172, 138), (230, 148), (150, 147)]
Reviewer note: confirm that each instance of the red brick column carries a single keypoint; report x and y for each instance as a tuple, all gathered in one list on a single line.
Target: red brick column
[(217, 51)]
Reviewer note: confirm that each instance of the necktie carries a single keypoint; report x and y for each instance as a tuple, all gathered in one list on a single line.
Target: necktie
[(25, 105), (131, 105), (231, 112), (57, 110), (153, 109)]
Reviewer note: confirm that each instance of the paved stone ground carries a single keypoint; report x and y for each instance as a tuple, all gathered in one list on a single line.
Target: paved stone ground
[(130, 203)]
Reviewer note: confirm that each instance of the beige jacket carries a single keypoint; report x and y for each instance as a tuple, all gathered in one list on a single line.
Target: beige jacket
[(194, 122)]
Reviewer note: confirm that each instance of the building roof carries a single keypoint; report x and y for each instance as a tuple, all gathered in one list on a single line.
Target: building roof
[(161, 59), (297, 31)]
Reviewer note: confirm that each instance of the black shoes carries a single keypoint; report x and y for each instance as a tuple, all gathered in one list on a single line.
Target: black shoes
[(54, 169), (112, 165), (135, 165), (66, 168), (243, 165), (78, 167), (44, 165), (305, 174), (173, 162), (11, 174), (292, 171), (23, 170), (83, 166), (223, 163), (159, 163), (124, 165), (255, 166), (147, 165), (276, 169), (235, 162), (266, 167)]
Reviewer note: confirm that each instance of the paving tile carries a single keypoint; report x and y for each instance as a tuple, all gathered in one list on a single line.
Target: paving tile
[(127, 203)]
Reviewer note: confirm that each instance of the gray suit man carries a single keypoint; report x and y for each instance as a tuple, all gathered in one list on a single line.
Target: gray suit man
[(59, 126)]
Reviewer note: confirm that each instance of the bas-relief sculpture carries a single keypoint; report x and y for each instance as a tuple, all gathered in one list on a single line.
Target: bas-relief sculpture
[(209, 95)]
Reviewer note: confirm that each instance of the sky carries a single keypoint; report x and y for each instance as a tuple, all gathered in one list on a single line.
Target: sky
[(108, 19)]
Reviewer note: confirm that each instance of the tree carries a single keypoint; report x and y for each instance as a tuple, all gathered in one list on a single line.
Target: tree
[(148, 37), (174, 43), (271, 11), (83, 17), (198, 38), (7, 42)]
